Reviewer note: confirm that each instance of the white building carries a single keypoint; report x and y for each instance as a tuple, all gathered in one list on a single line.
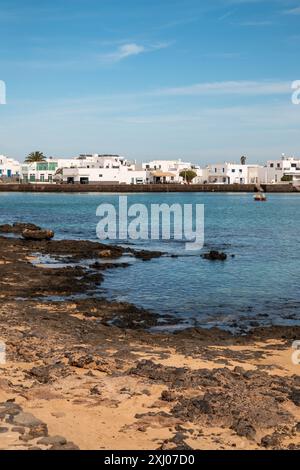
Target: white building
[(39, 172), (165, 171), (106, 169), (286, 169), (234, 173), (202, 175), (9, 168)]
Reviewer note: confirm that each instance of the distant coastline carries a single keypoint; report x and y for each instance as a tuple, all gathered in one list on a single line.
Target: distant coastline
[(144, 188)]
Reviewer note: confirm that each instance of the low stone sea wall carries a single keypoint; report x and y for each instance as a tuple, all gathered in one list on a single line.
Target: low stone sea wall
[(151, 188)]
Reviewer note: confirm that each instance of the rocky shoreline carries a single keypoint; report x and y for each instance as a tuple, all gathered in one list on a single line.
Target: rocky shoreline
[(85, 373)]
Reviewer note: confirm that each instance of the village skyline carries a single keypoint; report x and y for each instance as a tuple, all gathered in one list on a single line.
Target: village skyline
[(114, 169)]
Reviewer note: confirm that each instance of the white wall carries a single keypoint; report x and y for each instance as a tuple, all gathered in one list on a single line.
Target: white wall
[(122, 175), (233, 173), (276, 169), (9, 167)]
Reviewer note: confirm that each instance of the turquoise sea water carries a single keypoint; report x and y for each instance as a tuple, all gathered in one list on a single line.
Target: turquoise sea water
[(260, 284)]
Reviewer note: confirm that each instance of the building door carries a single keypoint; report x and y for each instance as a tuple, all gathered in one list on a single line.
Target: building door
[(9, 173)]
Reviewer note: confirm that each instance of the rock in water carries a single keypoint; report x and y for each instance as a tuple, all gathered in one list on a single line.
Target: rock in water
[(215, 256), (18, 227), (6, 228), (37, 235)]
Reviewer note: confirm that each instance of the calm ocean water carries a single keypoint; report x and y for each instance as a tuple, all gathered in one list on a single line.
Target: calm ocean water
[(260, 284)]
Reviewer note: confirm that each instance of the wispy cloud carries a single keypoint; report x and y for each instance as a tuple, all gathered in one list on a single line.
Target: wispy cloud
[(264, 87), (255, 23), (226, 15), (125, 51), (293, 11)]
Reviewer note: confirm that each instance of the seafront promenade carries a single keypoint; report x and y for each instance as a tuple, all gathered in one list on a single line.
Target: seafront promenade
[(144, 188)]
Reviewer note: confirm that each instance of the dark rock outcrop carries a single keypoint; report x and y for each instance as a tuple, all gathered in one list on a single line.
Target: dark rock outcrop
[(18, 227), (37, 235), (215, 256)]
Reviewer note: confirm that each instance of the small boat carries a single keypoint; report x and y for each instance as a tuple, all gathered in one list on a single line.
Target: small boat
[(260, 197)]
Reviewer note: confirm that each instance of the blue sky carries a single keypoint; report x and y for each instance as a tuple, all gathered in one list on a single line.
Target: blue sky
[(199, 80)]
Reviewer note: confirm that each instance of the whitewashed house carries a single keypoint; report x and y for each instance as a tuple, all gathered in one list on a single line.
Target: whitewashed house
[(9, 168), (165, 171), (39, 172), (286, 169), (234, 173), (202, 175), (106, 169)]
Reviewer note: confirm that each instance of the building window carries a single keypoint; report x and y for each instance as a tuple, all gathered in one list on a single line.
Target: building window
[(271, 165), (233, 171), (42, 166)]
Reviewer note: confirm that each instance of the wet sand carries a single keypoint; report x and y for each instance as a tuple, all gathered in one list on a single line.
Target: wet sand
[(82, 372)]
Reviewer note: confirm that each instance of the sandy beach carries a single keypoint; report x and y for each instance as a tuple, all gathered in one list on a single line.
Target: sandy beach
[(85, 373)]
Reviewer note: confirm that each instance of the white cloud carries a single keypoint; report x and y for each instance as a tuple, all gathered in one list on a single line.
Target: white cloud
[(229, 88), (293, 11), (126, 50), (131, 49)]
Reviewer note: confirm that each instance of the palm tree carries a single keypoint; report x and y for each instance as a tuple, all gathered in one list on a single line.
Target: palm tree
[(35, 157)]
